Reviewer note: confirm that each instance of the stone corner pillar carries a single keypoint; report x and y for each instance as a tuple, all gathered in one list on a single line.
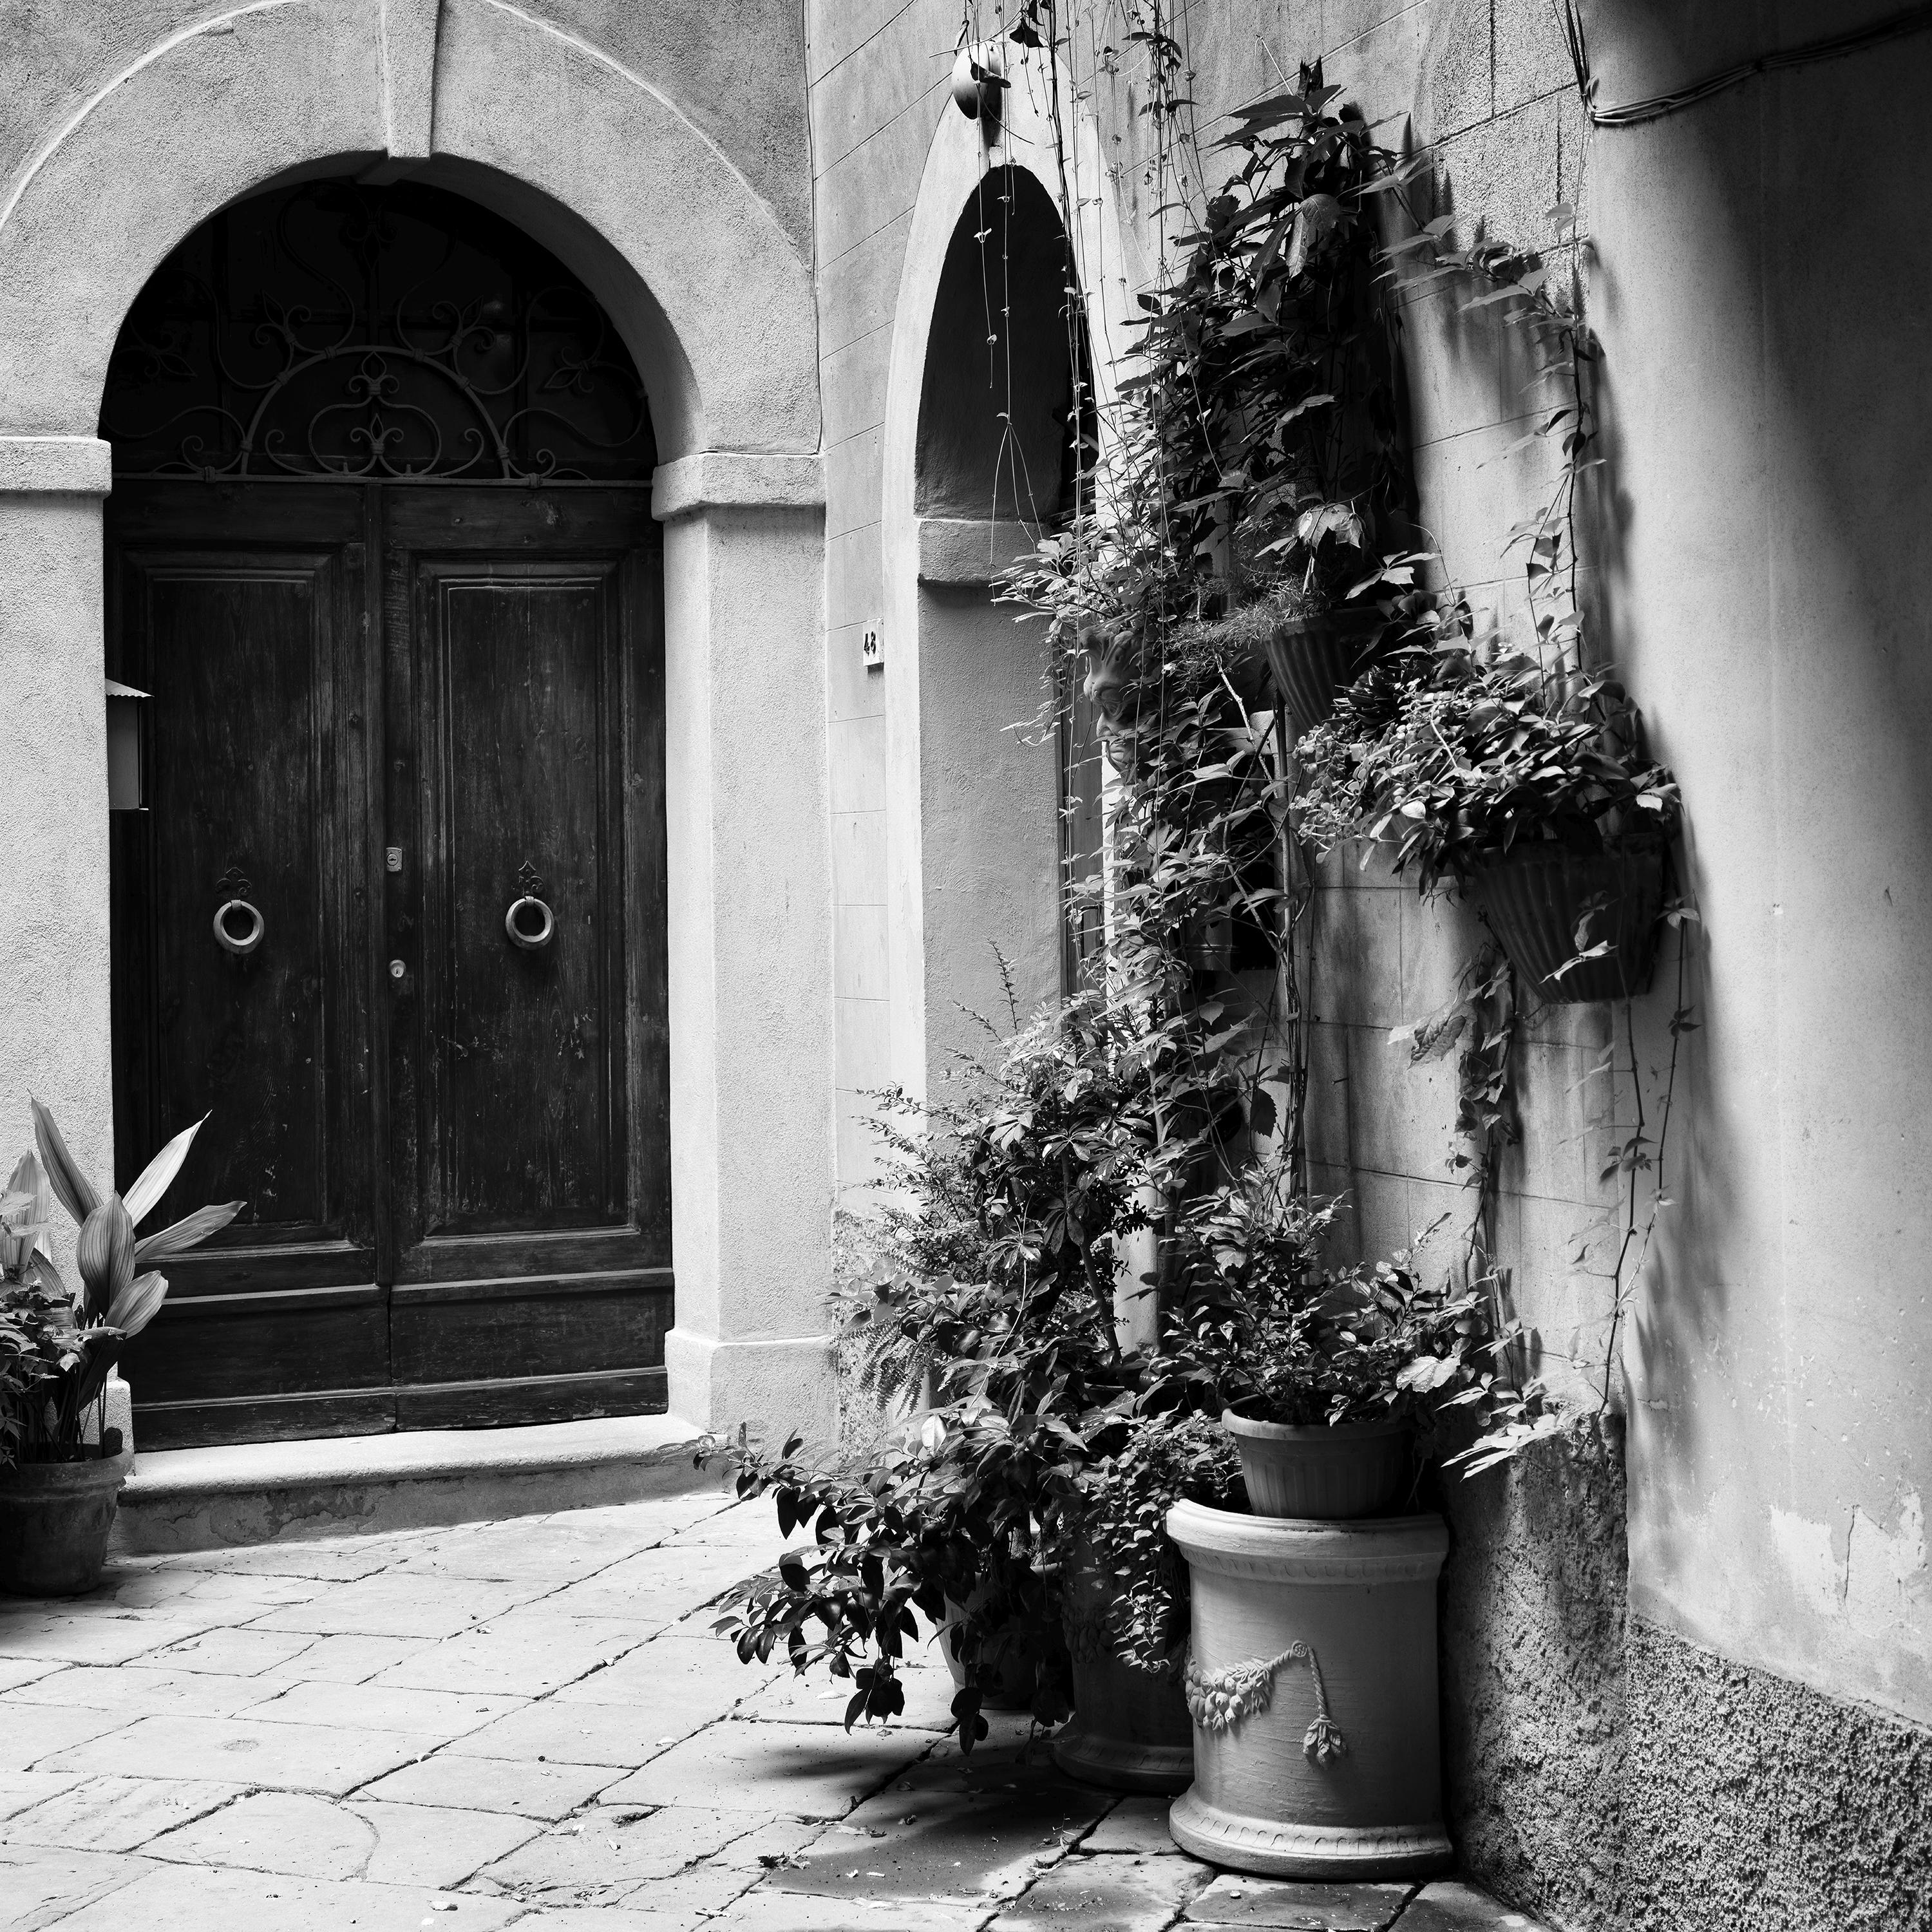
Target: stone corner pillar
[(54, 946), (750, 942)]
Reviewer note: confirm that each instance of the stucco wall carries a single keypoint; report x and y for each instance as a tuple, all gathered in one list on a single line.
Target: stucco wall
[(1763, 303), (1750, 564)]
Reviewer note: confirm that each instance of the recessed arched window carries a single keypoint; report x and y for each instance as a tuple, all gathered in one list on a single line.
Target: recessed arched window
[(337, 331)]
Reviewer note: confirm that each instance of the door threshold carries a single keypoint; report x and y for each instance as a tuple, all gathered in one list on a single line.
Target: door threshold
[(247, 1493)]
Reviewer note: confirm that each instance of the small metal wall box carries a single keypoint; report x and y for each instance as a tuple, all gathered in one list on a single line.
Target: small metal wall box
[(124, 747)]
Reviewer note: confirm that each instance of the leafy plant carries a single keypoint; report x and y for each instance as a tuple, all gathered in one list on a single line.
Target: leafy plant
[(1449, 761), (1163, 1457), (1266, 1327), (999, 1248), (57, 1347)]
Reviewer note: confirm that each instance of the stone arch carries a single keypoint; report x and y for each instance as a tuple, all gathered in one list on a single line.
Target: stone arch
[(579, 151), (970, 806), (714, 297)]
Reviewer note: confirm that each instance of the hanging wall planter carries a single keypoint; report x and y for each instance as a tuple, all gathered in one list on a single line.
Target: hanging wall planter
[(1536, 897), (1321, 1472), (1311, 1685), (1130, 1730), (55, 1521), (1314, 658)]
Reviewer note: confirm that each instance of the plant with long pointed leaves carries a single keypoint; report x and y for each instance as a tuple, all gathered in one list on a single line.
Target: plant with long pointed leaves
[(57, 1344)]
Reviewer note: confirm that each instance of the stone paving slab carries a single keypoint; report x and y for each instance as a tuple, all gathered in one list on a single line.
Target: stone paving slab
[(1283, 1905), (117, 1814), (138, 1689), (979, 1828), (21, 1790), (799, 1769), (532, 1724), (1445, 1907), (297, 1834), (1136, 1825), (183, 1898), (65, 1636), (33, 1733), (42, 1886), (545, 1791), (282, 1757), (1109, 1892)]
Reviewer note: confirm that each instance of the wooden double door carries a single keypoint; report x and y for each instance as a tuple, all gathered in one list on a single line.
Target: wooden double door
[(414, 734)]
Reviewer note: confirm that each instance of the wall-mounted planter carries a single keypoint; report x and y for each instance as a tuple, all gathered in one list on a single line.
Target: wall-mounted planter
[(1535, 898), (1312, 1687), (1130, 1730), (55, 1521), (1314, 659), (1321, 1473)]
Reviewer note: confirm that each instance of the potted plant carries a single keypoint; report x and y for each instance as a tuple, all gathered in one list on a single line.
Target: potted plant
[(61, 1467), (1525, 783), (990, 1317), (1271, 384), (1316, 1369), (1126, 1594)]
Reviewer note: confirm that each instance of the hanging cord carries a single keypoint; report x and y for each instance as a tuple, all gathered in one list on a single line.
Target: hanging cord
[(1912, 20)]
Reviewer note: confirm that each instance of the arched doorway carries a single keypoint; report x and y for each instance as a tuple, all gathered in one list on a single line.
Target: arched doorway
[(380, 548), (1004, 437)]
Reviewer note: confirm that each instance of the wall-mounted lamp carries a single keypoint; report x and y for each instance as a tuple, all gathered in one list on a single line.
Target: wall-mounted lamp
[(124, 747), (978, 81)]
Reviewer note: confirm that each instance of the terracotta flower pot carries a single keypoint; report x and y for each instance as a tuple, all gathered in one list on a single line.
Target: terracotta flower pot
[(54, 1520), (1312, 1686), (1320, 1472), (1130, 1730), (1534, 899), (1011, 1658), (1314, 659)]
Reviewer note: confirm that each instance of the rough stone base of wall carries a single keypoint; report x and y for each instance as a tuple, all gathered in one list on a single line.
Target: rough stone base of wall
[(1610, 1776), (1533, 1674), (1754, 1804)]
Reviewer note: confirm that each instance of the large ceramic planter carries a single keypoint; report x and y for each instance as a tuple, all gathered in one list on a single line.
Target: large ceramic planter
[(1320, 1472), (1314, 659), (1130, 1730), (54, 1520), (1312, 1687), (1535, 898)]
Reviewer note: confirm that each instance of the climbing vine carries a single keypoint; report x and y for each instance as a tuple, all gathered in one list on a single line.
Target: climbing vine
[(1253, 474)]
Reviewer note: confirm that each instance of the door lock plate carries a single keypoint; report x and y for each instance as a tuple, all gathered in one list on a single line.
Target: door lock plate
[(396, 969), (392, 857)]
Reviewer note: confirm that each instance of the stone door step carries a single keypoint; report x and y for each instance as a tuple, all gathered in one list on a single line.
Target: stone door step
[(250, 1492)]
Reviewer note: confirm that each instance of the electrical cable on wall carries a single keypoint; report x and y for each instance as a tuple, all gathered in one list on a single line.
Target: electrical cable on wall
[(1637, 113)]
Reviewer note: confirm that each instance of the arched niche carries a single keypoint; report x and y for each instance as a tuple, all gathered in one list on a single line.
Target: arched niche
[(969, 479), (1000, 427)]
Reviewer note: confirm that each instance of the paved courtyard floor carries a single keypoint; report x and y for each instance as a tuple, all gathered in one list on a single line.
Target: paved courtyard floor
[(528, 1722)]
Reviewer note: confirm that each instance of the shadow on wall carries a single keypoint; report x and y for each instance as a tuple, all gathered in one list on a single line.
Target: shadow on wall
[(997, 423)]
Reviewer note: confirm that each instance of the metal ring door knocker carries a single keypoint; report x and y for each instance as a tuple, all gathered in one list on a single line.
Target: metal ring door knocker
[(517, 922), (244, 942)]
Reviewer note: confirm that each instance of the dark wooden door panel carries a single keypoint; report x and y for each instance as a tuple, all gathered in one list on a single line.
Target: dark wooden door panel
[(240, 612), (526, 1087), (529, 1175)]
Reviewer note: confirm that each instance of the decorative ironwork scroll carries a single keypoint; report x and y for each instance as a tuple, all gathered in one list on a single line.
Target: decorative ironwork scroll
[(336, 332)]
